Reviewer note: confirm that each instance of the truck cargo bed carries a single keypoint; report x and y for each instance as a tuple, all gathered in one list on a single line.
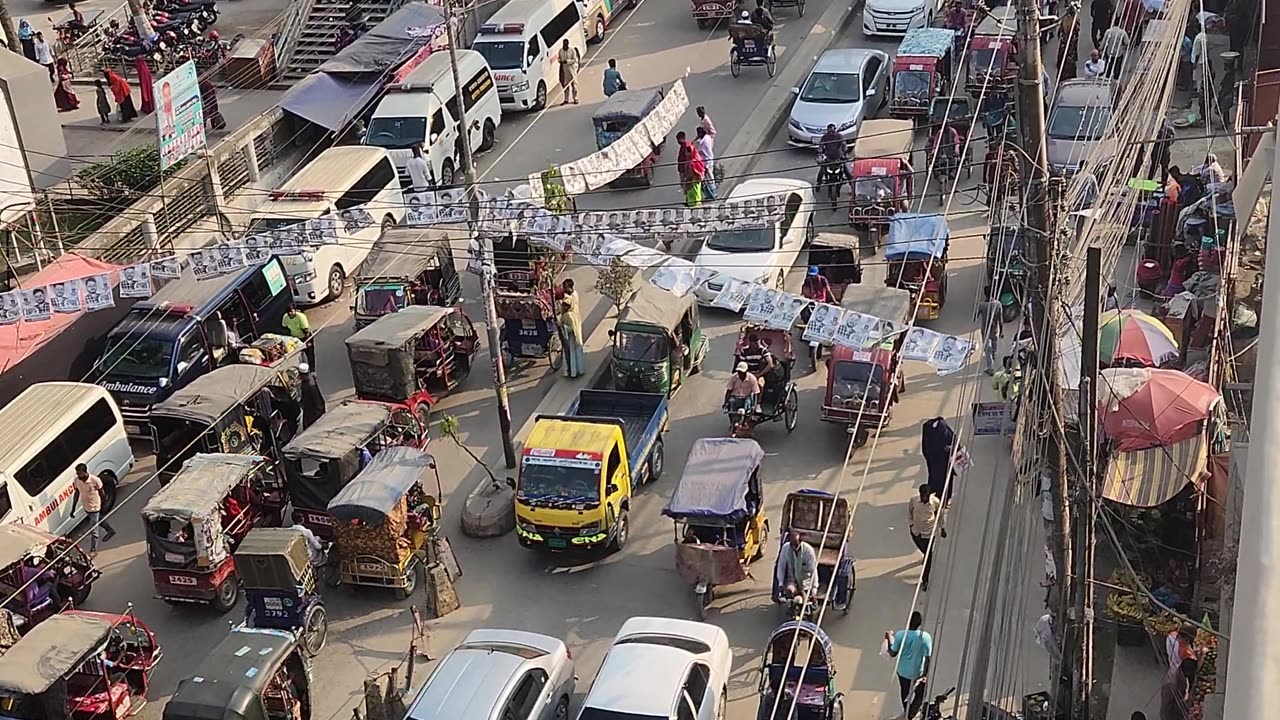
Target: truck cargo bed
[(642, 415)]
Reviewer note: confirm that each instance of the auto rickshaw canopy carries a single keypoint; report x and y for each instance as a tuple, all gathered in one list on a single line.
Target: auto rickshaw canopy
[(212, 395), (886, 303), (341, 430), (273, 559), (229, 683), (715, 480), (392, 332), (652, 305), (622, 111), (885, 138), (404, 253), (927, 42), (917, 235), (19, 541), (51, 651), (201, 485), (378, 489)]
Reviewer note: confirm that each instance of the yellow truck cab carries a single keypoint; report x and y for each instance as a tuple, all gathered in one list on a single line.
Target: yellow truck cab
[(578, 471)]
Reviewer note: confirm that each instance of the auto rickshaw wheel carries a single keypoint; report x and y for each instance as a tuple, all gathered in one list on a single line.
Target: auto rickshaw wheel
[(860, 437), (227, 594), (837, 708), (410, 581), (80, 594), (315, 629), (791, 408)]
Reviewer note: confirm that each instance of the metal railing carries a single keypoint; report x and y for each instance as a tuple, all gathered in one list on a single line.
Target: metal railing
[(85, 55), (286, 40)]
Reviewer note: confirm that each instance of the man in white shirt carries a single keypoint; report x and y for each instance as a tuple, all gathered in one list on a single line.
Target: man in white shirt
[(1115, 45), (419, 171), (1095, 67), (315, 550), (797, 567), (706, 147), (923, 514), (44, 55)]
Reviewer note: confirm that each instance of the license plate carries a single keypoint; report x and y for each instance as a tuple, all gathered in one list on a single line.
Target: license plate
[(182, 580), (369, 567), (272, 603), (557, 543)]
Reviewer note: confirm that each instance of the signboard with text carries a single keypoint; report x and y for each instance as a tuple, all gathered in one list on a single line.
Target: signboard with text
[(179, 114)]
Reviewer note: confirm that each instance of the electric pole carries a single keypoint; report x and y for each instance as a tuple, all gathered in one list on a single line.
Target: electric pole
[(1087, 487), (141, 22), (1042, 247), (6, 24), (487, 268)]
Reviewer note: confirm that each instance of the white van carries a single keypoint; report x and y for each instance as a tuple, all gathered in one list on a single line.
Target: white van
[(893, 18), (340, 179), (522, 44), (44, 433), (423, 108)]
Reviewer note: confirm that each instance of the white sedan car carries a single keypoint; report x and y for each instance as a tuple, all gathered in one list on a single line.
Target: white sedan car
[(760, 253), (662, 669)]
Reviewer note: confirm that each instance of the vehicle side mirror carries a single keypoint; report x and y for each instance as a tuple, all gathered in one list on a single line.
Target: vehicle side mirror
[(795, 90), (612, 333), (511, 482), (183, 366), (610, 489)]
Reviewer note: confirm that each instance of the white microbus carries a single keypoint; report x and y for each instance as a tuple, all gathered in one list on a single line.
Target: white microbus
[(522, 44), (423, 109), (44, 433)]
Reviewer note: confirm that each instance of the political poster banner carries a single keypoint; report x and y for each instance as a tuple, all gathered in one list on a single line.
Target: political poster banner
[(179, 114)]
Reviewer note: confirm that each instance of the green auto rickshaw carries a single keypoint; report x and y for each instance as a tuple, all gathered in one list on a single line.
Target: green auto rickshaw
[(657, 342)]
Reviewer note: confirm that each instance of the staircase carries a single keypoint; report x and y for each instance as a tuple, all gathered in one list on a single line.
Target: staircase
[(314, 44)]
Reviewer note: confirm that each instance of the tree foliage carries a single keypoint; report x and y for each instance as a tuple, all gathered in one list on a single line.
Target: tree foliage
[(616, 282), (126, 176)]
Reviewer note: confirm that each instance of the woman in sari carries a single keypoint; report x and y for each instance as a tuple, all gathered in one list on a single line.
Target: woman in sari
[(145, 82), (123, 94), (692, 168), (63, 96)]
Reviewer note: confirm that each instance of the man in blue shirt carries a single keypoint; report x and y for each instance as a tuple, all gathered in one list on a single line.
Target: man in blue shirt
[(913, 648), (613, 81)]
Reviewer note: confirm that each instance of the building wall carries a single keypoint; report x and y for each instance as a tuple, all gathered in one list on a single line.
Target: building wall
[(28, 111)]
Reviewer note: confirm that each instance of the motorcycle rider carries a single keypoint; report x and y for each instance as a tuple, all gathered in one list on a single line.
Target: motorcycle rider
[(816, 287), (832, 151), (797, 568), (743, 389)]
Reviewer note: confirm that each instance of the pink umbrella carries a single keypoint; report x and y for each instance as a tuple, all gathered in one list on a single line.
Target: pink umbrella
[(1143, 408)]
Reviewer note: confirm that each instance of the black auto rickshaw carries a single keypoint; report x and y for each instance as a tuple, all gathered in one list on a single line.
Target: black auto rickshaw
[(384, 520), (408, 266), (79, 666), (322, 459), (422, 347), (246, 409), (657, 342), (616, 116), (64, 574), (194, 524), (836, 257), (1007, 268), (278, 574), (252, 674)]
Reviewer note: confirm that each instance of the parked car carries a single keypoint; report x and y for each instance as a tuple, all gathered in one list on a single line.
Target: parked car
[(499, 675), (845, 87), (660, 668), (1080, 125), (762, 253)]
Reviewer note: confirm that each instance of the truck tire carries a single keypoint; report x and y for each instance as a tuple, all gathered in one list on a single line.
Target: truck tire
[(657, 461), (624, 529)]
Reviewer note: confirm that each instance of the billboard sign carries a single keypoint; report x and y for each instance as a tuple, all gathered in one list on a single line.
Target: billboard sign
[(180, 114)]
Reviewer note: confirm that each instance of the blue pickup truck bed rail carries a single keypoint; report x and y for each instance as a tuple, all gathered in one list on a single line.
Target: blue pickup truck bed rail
[(642, 416)]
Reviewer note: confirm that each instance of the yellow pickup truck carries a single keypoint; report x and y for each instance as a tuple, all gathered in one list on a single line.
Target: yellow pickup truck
[(578, 470)]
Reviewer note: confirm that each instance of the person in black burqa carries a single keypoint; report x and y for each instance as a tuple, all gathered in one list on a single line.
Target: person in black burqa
[(312, 398), (937, 443)]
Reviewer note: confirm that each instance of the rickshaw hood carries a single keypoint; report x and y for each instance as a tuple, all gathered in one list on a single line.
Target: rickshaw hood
[(17, 541), (376, 491), (51, 651), (923, 234), (202, 483), (714, 484), (226, 683)]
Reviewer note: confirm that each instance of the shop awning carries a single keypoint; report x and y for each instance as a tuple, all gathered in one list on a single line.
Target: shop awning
[(329, 101), (1146, 478)]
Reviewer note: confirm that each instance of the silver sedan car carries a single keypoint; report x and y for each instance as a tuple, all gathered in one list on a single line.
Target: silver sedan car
[(845, 87), (499, 675)]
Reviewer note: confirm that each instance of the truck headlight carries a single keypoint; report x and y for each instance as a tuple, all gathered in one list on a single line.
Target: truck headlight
[(589, 529)]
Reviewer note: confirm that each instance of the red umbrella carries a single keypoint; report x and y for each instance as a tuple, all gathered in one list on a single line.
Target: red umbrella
[(1143, 408)]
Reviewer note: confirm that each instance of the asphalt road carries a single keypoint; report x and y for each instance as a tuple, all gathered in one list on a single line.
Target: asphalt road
[(506, 586)]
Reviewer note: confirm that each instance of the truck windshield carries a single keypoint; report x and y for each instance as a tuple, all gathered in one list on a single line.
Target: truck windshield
[(396, 132), (138, 357), (559, 481), (645, 347)]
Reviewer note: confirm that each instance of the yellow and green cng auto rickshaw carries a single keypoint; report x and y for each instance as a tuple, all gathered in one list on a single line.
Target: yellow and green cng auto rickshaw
[(657, 342)]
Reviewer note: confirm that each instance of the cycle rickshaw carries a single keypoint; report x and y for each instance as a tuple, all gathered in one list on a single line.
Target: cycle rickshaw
[(798, 669), (752, 45), (280, 586), (778, 399)]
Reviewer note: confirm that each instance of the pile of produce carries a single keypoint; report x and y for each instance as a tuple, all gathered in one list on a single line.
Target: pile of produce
[(1129, 605)]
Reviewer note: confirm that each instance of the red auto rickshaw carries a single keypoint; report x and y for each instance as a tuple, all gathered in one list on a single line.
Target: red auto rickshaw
[(993, 53), (864, 382), (922, 70), (881, 176)]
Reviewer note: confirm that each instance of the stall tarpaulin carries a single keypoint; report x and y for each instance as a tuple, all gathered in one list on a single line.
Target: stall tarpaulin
[(21, 339), (1151, 477), (389, 43)]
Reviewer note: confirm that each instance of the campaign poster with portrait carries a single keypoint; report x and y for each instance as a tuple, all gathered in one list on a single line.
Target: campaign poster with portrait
[(852, 330), (591, 248), (920, 344), (35, 304), (282, 241), (228, 258), (97, 292), (676, 276), (951, 354), (67, 297), (256, 249), (643, 258), (760, 304), (823, 322), (420, 209), (734, 295), (786, 310), (167, 268), (355, 219), (135, 281), (10, 308)]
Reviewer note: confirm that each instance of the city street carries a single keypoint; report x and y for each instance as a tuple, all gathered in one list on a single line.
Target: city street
[(506, 586)]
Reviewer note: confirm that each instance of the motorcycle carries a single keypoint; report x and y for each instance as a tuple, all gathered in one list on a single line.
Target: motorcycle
[(933, 709), (832, 174)]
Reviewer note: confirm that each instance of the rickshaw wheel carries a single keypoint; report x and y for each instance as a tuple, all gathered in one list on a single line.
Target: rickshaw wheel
[(228, 594), (704, 601), (315, 629), (837, 708), (771, 62), (735, 66), (800, 8), (410, 582), (791, 410)]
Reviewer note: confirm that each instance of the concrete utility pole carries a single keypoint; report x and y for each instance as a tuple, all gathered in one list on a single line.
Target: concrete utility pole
[(1252, 661), (1088, 481), (486, 266), (141, 22), (1042, 246), (6, 24)]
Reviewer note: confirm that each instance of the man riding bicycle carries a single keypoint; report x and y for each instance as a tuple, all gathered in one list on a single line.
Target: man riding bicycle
[(797, 568)]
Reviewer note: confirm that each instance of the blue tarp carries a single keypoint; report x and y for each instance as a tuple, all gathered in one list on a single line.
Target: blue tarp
[(714, 484), (927, 42), (923, 234)]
